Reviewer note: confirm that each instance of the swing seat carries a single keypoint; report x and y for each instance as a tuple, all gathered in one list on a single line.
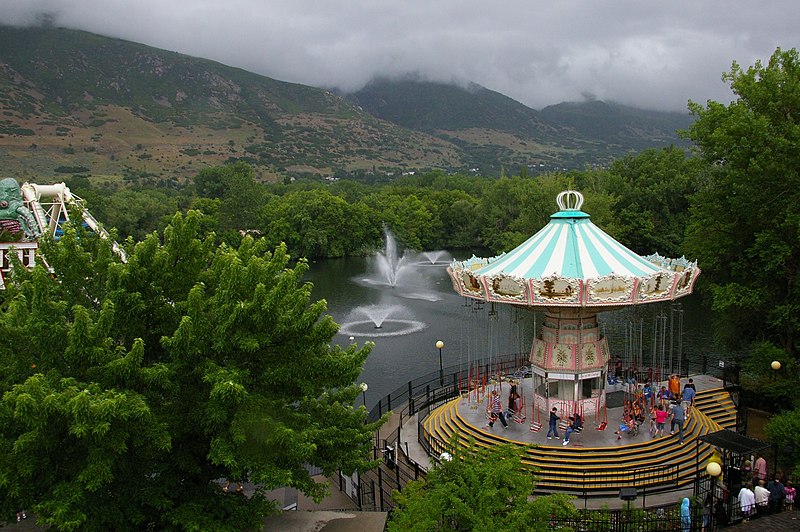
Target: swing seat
[(536, 427), (602, 425), (519, 418)]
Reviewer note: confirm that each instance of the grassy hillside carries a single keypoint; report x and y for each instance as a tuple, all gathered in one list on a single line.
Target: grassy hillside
[(76, 102), (72, 100)]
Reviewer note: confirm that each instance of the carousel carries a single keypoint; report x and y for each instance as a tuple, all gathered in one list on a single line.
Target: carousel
[(572, 270)]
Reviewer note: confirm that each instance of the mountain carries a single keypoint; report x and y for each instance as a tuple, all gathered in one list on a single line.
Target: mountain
[(492, 128), (77, 102), (622, 125)]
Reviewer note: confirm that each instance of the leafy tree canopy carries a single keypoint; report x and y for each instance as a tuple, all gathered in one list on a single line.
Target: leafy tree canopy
[(745, 218), (130, 391), (479, 489)]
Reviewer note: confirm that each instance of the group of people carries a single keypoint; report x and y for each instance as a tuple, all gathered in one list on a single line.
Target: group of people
[(496, 411), (759, 497), (575, 425), (669, 403)]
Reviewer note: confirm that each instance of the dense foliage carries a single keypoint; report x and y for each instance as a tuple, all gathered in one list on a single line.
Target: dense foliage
[(131, 391), (641, 200), (745, 227), (477, 489)]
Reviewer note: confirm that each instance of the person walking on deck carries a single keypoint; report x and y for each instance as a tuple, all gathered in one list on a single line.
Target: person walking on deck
[(496, 409), (678, 418), (688, 399), (553, 429)]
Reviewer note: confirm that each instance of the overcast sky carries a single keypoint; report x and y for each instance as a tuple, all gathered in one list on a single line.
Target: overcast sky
[(656, 54)]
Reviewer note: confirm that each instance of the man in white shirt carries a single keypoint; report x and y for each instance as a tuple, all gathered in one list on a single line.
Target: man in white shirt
[(762, 498), (747, 500)]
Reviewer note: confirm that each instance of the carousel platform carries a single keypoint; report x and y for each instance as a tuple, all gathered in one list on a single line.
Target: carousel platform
[(595, 462)]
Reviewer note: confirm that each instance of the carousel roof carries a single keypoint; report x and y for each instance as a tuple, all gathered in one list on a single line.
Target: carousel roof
[(572, 262)]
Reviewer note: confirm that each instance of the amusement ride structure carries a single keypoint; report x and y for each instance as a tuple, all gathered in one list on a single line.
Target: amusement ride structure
[(31, 211), (572, 270)]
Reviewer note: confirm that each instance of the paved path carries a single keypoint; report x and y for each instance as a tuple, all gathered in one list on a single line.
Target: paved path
[(782, 522)]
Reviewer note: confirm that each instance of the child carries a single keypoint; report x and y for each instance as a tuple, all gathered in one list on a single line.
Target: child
[(626, 425), (790, 492), (661, 419)]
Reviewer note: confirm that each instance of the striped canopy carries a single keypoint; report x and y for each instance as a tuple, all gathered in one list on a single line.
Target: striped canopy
[(572, 262), (570, 246)]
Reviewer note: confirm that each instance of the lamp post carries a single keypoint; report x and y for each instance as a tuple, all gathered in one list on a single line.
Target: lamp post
[(364, 389), (439, 346), (776, 365)]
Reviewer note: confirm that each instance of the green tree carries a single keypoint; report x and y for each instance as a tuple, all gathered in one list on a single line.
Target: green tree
[(314, 224), (479, 489), (652, 191), (784, 430), (126, 400), (240, 195), (745, 218)]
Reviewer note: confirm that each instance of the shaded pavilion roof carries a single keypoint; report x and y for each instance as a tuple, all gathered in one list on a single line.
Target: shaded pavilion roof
[(572, 262), (734, 442)]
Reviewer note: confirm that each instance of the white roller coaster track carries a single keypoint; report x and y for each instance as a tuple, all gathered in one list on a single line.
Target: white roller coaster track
[(50, 204)]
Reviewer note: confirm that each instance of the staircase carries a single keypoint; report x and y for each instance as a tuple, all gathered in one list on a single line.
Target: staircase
[(649, 464)]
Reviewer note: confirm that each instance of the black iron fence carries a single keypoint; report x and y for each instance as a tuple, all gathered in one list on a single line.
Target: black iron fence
[(435, 387), (655, 519)]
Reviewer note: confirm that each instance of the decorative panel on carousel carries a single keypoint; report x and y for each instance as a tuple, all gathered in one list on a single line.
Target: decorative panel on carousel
[(656, 287), (591, 356), (610, 290), (506, 288), (562, 357), (539, 353), (558, 291)]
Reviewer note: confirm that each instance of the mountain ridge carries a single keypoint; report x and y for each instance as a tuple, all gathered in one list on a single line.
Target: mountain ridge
[(78, 102)]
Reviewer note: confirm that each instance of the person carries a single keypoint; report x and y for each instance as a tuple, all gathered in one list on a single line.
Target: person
[(638, 395), (617, 370), (674, 386), (747, 500), (627, 425), (776, 494), (661, 420), (663, 395), (496, 409), (720, 513), (678, 418), (790, 492), (553, 425), (512, 401), (647, 391), (762, 498), (691, 385), (638, 415), (686, 515), (688, 399), (760, 468), (573, 426), (708, 507)]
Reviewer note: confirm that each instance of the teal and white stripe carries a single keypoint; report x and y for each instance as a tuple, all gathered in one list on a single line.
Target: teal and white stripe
[(572, 247)]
